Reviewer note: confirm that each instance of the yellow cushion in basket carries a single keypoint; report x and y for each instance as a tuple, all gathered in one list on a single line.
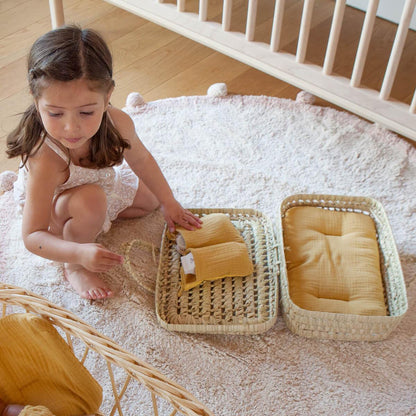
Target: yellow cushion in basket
[(218, 250), (216, 262), (216, 229), (333, 261), (37, 367)]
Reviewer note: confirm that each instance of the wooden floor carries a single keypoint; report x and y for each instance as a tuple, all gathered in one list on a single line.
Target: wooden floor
[(159, 63)]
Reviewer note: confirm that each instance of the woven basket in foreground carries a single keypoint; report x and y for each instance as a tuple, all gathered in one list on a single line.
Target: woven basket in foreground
[(233, 305), (325, 325), (125, 371)]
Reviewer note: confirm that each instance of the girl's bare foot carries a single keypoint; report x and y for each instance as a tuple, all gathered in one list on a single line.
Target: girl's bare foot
[(87, 284)]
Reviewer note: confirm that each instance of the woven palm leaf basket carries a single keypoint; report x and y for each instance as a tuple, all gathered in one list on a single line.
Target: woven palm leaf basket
[(125, 372), (315, 324), (232, 305)]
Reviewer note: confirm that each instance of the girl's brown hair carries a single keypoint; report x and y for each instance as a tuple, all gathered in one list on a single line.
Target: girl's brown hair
[(66, 54)]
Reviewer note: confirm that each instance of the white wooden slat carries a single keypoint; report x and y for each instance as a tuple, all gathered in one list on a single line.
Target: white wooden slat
[(413, 104), (334, 34), (277, 25), (203, 10), (251, 20), (181, 5), (305, 27), (397, 49), (57, 13), (365, 38), (226, 14)]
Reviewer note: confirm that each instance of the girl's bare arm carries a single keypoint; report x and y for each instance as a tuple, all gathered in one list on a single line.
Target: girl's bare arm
[(146, 168)]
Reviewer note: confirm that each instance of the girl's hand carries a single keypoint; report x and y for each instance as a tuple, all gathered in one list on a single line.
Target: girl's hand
[(175, 214), (96, 258)]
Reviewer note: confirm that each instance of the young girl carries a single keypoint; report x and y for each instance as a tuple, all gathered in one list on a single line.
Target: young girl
[(81, 160)]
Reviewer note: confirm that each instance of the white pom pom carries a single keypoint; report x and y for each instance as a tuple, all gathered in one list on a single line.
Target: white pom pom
[(305, 97), (134, 99), (7, 179), (217, 90)]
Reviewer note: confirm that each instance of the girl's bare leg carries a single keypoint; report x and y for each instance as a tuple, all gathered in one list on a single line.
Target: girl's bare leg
[(143, 204), (78, 216)]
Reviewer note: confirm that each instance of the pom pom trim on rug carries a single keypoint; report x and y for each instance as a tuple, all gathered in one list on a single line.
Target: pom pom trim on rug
[(217, 90), (305, 97), (134, 99)]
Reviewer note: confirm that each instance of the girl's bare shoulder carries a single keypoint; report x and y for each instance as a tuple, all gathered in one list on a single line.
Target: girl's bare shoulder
[(45, 162), (122, 121)]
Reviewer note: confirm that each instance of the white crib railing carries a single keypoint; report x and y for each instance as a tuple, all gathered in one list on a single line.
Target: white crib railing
[(348, 93)]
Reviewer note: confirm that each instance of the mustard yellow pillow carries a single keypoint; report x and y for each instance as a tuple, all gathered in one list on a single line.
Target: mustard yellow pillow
[(216, 262), (37, 367), (218, 250), (333, 261), (216, 228)]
